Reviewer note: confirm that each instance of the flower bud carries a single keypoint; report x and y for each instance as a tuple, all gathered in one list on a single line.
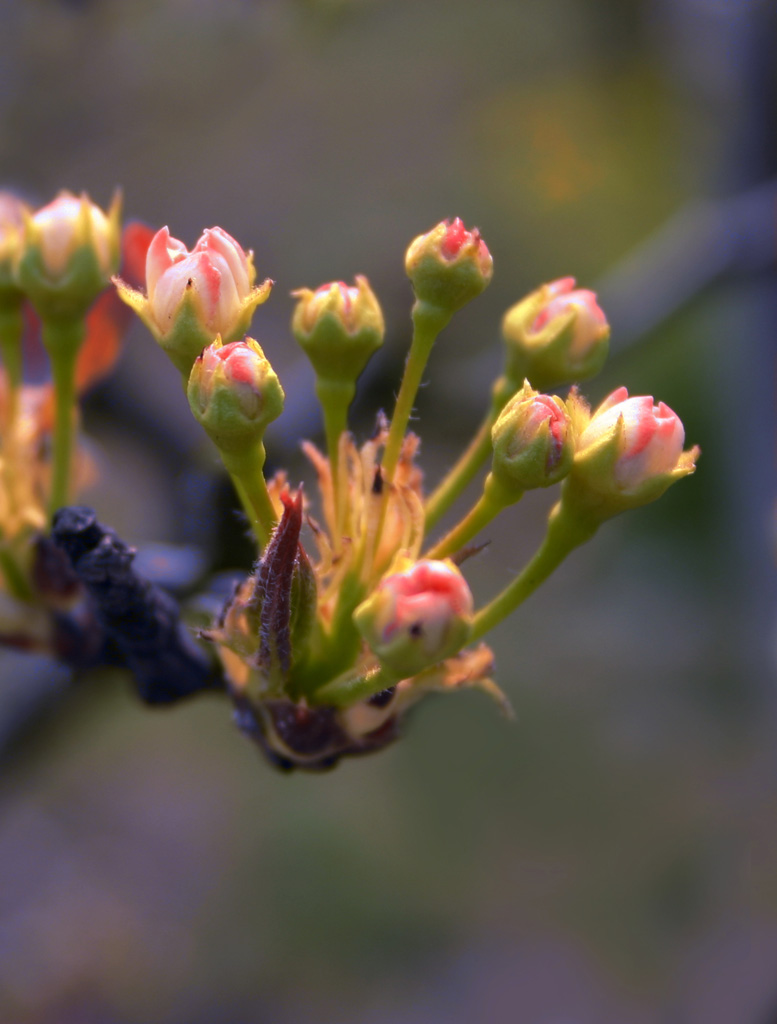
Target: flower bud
[(194, 296), (532, 441), (417, 617), (12, 212), (234, 394), (448, 265), (339, 327), (556, 335), (70, 250), (628, 452)]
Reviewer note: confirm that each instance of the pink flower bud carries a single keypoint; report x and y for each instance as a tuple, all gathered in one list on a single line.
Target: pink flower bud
[(336, 297), (194, 296), (457, 237), (11, 224), (589, 321), (12, 211), (449, 265), (67, 224), (339, 327), (417, 617), (234, 393), (70, 249), (649, 437), (555, 335), (629, 451), (533, 441), (216, 271)]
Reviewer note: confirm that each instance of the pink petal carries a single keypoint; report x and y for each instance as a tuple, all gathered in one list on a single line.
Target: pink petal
[(455, 237), (207, 281), (561, 286), (163, 252), (218, 241), (617, 396)]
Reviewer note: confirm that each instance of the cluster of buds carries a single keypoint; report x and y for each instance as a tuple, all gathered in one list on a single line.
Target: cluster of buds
[(354, 610), (351, 615)]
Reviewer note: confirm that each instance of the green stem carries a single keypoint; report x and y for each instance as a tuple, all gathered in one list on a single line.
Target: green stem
[(62, 339), (339, 646), (246, 470), (472, 459), (461, 475), (261, 535), (335, 397), (491, 502), (567, 529), (428, 321), (16, 581), (11, 334), (349, 689)]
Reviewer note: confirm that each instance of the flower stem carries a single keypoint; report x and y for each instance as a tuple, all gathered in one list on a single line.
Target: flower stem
[(335, 397), (62, 339), (11, 334), (428, 321), (567, 529), (247, 473), (349, 689), (339, 646), (472, 459), (15, 578), (491, 502), (461, 475)]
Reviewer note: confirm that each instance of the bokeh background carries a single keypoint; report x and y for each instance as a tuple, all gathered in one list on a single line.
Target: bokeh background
[(611, 856)]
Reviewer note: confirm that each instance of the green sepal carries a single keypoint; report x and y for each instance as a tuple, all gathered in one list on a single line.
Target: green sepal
[(354, 686), (334, 353), (187, 337), (67, 297), (304, 596)]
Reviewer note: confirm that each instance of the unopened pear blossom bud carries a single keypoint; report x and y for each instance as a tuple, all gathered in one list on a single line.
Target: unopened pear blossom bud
[(339, 327), (555, 336), (449, 265), (234, 394), (532, 441), (71, 248), (194, 296), (417, 617), (12, 211), (628, 453), (12, 323)]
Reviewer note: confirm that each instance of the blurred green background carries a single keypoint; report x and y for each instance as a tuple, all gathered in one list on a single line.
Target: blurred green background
[(610, 856)]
